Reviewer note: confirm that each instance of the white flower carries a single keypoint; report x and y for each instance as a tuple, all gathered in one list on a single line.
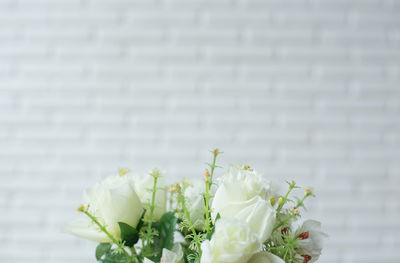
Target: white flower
[(265, 257), (312, 240), (244, 194), (111, 201), (232, 242), (194, 197), (144, 188), (168, 256)]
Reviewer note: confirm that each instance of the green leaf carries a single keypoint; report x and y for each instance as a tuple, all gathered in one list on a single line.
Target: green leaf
[(141, 221), (128, 234), (209, 235), (113, 257), (165, 239), (102, 249), (166, 228)]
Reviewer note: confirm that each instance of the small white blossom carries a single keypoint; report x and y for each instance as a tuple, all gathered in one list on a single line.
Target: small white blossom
[(312, 239)]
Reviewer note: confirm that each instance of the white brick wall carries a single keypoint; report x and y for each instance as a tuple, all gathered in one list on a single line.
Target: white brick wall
[(300, 89)]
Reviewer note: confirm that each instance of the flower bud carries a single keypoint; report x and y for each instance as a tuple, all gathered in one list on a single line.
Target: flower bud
[(206, 175), (292, 184), (174, 188), (245, 167), (123, 171), (272, 200), (280, 200), (216, 151), (155, 173), (83, 208), (294, 211), (308, 192)]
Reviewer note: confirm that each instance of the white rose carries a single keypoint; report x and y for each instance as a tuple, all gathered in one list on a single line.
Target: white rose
[(111, 201), (194, 197), (265, 257), (312, 240), (232, 242), (144, 188), (168, 256), (244, 194)]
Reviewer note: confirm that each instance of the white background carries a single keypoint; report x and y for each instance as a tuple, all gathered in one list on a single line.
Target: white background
[(303, 90)]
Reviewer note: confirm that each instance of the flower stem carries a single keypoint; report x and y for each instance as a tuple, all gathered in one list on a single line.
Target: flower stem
[(207, 200), (191, 226), (285, 198), (209, 182), (282, 223), (102, 228), (155, 174), (215, 153), (134, 254), (207, 195), (299, 204)]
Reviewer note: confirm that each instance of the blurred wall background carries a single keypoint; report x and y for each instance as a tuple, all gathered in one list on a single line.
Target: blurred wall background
[(299, 89)]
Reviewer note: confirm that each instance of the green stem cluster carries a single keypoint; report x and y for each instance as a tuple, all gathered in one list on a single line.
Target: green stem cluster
[(286, 250), (191, 226), (290, 248), (111, 237), (209, 181), (155, 174), (299, 204), (292, 185)]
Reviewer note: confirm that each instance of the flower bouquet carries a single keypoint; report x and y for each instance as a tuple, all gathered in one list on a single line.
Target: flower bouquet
[(237, 218)]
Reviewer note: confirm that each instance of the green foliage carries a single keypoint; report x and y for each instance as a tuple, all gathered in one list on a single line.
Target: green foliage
[(165, 238), (105, 254), (190, 255), (102, 249), (187, 227), (208, 179), (194, 257), (284, 242), (119, 244), (129, 235), (149, 233), (112, 257), (166, 228), (141, 221), (209, 235), (156, 235)]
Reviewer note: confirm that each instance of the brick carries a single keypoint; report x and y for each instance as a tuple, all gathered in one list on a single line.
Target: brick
[(301, 90)]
